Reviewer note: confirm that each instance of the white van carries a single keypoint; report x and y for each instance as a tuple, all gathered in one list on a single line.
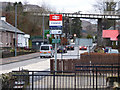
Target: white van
[(46, 50)]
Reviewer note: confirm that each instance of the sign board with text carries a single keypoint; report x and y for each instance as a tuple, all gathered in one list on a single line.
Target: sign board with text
[(56, 40), (55, 31), (55, 21)]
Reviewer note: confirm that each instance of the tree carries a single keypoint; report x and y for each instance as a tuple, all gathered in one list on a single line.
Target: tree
[(26, 21), (106, 7), (89, 36), (103, 6), (76, 27)]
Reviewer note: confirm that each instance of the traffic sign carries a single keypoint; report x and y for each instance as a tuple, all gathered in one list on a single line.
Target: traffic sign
[(48, 35), (56, 40), (46, 32), (55, 31)]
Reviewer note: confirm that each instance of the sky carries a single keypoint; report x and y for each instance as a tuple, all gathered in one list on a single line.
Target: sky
[(63, 6)]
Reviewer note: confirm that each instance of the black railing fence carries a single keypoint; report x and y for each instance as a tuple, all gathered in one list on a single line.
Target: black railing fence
[(84, 77)]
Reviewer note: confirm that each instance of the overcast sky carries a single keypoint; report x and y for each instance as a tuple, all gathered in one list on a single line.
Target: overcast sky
[(85, 6)]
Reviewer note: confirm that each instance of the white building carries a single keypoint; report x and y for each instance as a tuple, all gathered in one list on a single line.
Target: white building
[(23, 40)]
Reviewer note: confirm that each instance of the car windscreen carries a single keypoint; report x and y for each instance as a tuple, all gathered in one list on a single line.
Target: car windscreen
[(44, 47)]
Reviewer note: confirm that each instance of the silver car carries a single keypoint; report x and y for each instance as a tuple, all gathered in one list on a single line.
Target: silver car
[(46, 50)]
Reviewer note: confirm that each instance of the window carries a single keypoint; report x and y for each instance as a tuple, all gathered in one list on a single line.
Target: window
[(44, 47)]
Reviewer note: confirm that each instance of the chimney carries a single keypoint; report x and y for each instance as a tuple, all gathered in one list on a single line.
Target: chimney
[(3, 18)]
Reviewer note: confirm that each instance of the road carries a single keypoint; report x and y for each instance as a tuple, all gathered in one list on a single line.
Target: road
[(41, 64)]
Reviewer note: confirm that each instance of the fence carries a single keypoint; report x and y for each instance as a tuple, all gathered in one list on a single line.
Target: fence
[(86, 59), (84, 77)]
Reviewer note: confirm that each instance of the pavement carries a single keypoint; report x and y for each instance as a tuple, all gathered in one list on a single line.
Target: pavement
[(18, 58), (8, 65)]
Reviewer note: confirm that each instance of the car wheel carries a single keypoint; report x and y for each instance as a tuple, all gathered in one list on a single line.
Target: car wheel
[(53, 55)]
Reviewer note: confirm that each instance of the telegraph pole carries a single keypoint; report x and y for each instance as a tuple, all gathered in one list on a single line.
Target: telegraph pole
[(16, 30), (43, 28)]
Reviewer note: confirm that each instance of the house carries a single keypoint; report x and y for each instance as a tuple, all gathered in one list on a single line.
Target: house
[(7, 35), (31, 8), (37, 41), (110, 36)]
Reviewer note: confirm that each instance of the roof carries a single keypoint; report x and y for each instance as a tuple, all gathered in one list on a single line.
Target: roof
[(112, 34), (38, 40), (4, 26)]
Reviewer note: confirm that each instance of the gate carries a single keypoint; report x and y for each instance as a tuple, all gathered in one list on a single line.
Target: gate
[(84, 77)]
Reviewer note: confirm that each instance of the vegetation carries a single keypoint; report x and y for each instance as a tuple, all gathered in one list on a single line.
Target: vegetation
[(76, 27), (26, 21), (106, 8), (89, 36), (8, 80)]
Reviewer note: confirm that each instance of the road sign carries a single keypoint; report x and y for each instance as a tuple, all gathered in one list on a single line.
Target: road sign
[(46, 32), (56, 40), (55, 31), (48, 35), (84, 42), (55, 20)]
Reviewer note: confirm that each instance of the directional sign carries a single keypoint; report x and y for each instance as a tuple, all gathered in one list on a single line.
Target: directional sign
[(55, 31), (56, 40)]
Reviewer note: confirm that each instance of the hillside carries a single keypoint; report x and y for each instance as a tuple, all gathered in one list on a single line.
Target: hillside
[(88, 28)]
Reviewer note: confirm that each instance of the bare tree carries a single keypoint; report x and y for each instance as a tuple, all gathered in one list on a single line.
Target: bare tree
[(105, 6)]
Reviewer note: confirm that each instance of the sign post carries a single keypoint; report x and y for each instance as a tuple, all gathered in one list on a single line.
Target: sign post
[(55, 25), (55, 54)]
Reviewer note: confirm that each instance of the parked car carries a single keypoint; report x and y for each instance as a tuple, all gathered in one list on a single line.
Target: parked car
[(69, 47), (107, 49), (82, 47), (46, 50), (61, 49), (113, 51)]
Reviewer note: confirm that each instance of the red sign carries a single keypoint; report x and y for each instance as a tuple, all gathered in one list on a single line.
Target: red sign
[(55, 17)]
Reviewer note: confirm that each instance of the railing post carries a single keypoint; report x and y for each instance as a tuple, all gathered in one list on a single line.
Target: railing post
[(75, 80), (53, 80), (32, 80), (93, 77), (118, 74), (96, 78)]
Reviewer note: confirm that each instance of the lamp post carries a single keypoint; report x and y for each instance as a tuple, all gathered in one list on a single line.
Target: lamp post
[(15, 30)]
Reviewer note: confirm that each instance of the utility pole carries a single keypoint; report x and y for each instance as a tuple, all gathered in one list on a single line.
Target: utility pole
[(43, 28), (16, 30)]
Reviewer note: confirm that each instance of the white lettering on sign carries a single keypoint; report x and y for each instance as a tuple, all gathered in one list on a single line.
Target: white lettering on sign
[(55, 17), (55, 23), (55, 31)]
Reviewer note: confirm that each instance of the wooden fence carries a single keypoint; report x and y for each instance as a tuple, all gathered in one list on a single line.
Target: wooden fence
[(86, 59)]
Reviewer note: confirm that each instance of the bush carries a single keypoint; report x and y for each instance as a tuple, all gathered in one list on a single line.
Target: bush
[(8, 80), (12, 50)]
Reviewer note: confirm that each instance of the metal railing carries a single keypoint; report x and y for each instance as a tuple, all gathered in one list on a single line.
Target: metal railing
[(84, 77)]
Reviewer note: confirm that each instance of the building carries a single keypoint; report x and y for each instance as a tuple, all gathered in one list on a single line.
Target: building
[(7, 35), (3, 5), (31, 8), (110, 36), (37, 41)]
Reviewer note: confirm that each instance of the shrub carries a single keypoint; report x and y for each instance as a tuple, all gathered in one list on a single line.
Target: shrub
[(8, 80)]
